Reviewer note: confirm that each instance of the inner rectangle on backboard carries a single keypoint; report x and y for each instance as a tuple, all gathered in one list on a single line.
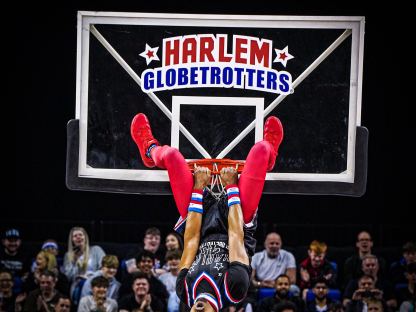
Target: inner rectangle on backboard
[(215, 124)]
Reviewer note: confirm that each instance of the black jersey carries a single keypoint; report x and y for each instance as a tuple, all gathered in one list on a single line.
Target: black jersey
[(215, 221), (212, 276)]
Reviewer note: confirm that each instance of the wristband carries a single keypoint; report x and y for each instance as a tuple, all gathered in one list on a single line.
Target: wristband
[(196, 202), (233, 194)]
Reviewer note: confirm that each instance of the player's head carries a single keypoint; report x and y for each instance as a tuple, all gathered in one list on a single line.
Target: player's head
[(202, 305)]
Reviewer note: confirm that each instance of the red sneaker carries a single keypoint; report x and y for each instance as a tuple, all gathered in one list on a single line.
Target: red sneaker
[(142, 134), (273, 133)]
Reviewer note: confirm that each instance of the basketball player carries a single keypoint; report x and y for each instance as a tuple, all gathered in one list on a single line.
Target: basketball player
[(218, 240)]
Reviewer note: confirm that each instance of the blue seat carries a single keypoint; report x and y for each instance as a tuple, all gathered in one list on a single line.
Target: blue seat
[(123, 266), (334, 294), (17, 285), (334, 266), (400, 286), (268, 292), (265, 292)]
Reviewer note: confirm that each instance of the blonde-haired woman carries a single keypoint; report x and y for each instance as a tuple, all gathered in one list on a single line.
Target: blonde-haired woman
[(81, 260), (45, 261)]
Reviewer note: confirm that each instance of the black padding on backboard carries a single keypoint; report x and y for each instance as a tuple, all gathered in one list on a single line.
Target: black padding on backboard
[(74, 182), (330, 188)]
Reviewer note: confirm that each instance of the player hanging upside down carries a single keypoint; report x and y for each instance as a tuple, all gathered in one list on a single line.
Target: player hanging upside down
[(218, 239)]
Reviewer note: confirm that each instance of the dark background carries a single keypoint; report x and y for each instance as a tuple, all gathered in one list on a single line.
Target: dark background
[(42, 44)]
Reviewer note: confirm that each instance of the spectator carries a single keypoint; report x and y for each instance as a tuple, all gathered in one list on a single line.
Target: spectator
[(271, 262), (7, 298), (44, 298), (174, 242), (408, 294), (11, 256), (63, 304), (398, 269), (142, 299), (145, 264), (359, 291), (173, 258), (109, 266), (366, 295), (46, 261), (352, 266), (151, 242), (321, 301), (282, 286), (98, 301), (370, 267), (337, 307), (268, 264), (284, 306), (408, 306), (51, 246), (375, 305), (80, 261), (316, 267)]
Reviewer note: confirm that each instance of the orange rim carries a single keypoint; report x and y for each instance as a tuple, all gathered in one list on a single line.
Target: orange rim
[(215, 165)]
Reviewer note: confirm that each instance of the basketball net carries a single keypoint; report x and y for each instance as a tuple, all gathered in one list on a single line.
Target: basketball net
[(216, 187)]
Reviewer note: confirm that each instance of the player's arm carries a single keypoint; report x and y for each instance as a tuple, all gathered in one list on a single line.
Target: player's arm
[(192, 235), (237, 251)]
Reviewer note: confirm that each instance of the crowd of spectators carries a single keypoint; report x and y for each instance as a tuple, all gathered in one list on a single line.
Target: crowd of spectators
[(84, 278)]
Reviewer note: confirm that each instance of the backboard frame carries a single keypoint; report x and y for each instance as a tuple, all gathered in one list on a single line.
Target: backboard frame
[(86, 21)]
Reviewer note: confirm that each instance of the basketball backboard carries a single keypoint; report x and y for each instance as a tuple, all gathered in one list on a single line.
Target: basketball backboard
[(207, 83)]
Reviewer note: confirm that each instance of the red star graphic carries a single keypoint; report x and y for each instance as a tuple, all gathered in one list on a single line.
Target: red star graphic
[(150, 53), (282, 56)]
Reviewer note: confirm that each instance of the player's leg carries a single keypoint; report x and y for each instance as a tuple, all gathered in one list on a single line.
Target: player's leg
[(260, 159), (164, 157), (180, 177)]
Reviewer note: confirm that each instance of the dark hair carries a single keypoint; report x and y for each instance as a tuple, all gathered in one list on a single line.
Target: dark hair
[(335, 306), (282, 275), (145, 254), (173, 254), (152, 231), (48, 273), (366, 276), (320, 280), (100, 281), (284, 305), (411, 267), (140, 275), (64, 297), (409, 247)]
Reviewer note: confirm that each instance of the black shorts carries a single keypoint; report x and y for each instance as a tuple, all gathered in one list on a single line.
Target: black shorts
[(234, 282), (238, 280)]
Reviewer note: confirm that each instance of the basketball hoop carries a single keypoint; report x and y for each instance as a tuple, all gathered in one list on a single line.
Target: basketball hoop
[(216, 188)]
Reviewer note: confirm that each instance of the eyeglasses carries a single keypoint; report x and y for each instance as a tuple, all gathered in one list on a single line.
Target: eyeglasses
[(364, 240), (6, 280)]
